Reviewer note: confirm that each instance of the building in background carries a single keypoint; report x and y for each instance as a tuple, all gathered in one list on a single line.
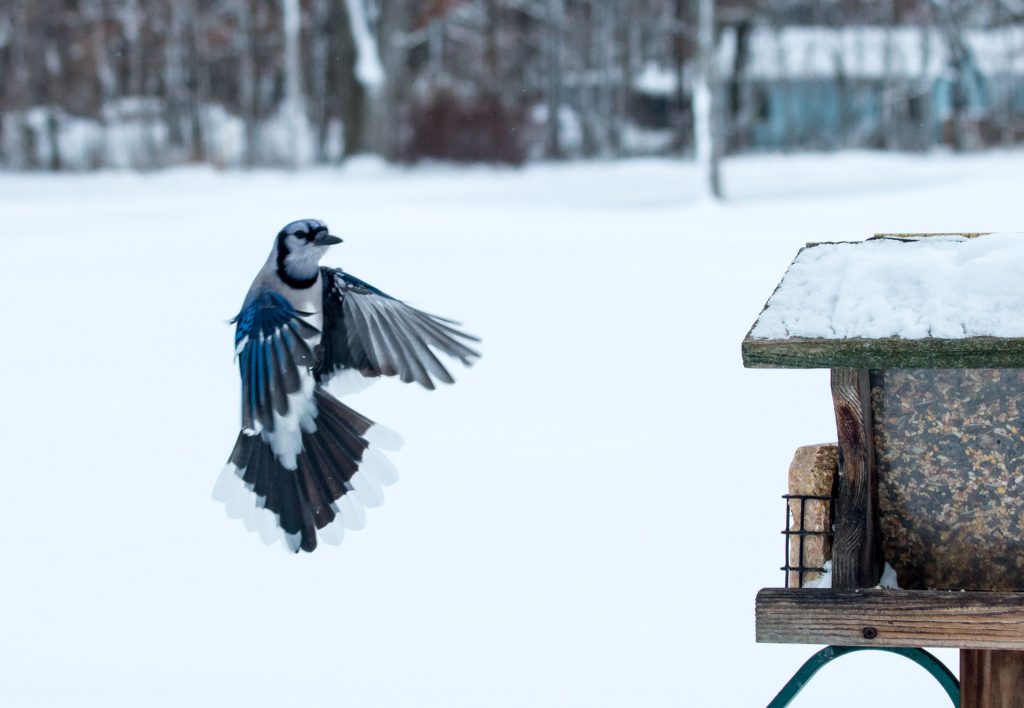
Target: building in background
[(234, 83)]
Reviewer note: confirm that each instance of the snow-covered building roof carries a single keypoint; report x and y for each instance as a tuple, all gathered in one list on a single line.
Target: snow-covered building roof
[(863, 52), (859, 52), (897, 301)]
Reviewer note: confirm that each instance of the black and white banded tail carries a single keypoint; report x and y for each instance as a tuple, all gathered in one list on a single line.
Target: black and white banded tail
[(337, 473)]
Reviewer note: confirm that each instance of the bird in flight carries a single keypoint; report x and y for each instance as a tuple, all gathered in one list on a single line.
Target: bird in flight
[(305, 465)]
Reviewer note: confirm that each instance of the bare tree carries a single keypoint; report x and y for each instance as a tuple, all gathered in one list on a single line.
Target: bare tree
[(245, 41), (390, 129), (554, 41), (294, 105), (20, 87), (705, 122), (952, 19)]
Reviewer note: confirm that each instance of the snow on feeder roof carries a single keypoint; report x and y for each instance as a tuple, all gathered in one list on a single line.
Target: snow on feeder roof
[(897, 301)]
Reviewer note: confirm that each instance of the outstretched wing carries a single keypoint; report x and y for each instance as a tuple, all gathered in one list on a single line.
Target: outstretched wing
[(273, 357), (378, 335)]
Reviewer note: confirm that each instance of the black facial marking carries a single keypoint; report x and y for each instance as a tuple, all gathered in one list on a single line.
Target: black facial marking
[(282, 272), (282, 253)]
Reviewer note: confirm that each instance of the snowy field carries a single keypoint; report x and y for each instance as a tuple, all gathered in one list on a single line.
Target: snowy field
[(583, 520)]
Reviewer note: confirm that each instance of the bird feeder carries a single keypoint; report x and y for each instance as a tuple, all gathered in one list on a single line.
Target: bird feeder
[(924, 337)]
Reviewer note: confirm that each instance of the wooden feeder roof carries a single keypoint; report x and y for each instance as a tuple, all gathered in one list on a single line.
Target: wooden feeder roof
[(897, 301)]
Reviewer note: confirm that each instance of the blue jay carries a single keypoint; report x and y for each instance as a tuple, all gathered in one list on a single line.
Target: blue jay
[(304, 464)]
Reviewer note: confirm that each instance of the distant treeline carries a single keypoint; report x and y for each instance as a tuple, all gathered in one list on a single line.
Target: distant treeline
[(149, 83)]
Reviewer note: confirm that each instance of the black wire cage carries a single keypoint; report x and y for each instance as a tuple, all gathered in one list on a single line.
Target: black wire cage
[(796, 527)]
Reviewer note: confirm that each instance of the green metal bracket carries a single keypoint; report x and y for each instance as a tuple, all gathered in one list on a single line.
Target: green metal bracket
[(929, 662)]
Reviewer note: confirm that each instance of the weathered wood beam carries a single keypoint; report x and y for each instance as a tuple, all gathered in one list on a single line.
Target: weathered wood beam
[(857, 546), (886, 353), (891, 618)]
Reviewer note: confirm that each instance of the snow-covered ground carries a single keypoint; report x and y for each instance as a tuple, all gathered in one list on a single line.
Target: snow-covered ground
[(583, 520)]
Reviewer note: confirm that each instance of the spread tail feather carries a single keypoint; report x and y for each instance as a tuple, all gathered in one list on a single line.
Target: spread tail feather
[(337, 474)]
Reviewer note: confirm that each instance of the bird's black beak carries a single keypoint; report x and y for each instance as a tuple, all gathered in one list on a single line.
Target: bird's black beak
[(325, 239)]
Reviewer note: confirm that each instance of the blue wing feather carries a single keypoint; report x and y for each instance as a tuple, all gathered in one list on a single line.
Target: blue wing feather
[(264, 314), (265, 329)]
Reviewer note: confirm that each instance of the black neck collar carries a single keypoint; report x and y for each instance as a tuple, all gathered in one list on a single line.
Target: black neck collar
[(282, 271)]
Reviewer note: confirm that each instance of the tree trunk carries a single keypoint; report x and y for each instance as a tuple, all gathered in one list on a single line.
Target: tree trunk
[(923, 89), (199, 88), (705, 128), (247, 81), (176, 92), (391, 121), (554, 32), (321, 88), (51, 43), (583, 31), (739, 100), (962, 68), (889, 137), (294, 100), (369, 70), (681, 123), (131, 21), (627, 32)]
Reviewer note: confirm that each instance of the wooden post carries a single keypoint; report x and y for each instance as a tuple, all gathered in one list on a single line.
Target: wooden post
[(991, 678), (857, 547)]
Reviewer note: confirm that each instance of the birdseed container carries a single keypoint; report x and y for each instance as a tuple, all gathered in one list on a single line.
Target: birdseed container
[(924, 337)]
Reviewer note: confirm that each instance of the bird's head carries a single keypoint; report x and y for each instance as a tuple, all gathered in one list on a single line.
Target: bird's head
[(300, 246)]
